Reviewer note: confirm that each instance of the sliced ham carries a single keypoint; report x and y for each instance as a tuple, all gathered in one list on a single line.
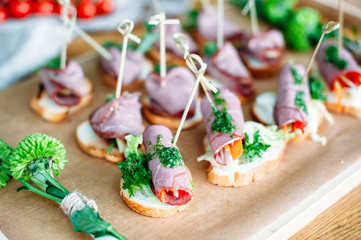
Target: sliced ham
[(118, 118), (266, 46), (331, 73), (219, 140), (174, 96), (66, 87), (286, 112), (134, 62), (227, 67), (171, 185), (170, 29), (207, 26)]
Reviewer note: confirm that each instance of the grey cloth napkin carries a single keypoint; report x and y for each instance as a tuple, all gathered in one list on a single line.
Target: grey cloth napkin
[(28, 44)]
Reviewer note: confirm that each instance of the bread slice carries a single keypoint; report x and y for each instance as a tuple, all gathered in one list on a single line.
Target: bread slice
[(350, 103), (172, 59), (245, 173), (44, 105), (170, 121), (140, 204), (95, 146), (111, 81), (345, 109), (260, 69), (262, 110)]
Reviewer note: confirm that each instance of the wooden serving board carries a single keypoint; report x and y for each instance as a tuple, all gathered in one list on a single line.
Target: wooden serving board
[(308, 180)]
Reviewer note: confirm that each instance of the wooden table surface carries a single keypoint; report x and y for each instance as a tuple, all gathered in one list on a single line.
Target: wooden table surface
[(341, 221)]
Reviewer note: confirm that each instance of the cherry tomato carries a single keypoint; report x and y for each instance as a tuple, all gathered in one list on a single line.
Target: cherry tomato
[(4, 14), (44, 7), (20, 8), (105, 6), (86, 10)]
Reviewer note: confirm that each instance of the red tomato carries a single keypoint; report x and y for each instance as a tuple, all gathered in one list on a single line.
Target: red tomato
[(86, 10), (44, 7), (105, 6), (4, 14), (20, 8)]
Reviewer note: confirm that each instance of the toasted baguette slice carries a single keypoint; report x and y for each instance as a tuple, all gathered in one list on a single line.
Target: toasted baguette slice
[(95, 146), (172, 59), (170, 121), (146, 69), (242, 174), (45, 106), (260, 69), (345, 109), (262, 110), (140, 204), (350, 104)]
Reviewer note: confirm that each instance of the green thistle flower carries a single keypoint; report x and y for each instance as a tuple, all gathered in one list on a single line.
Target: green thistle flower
[(5, 151), (37, 149)]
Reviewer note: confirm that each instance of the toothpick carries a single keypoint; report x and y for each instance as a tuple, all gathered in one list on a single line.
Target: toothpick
[(251, 7), (160, 19), (157, 7), (199, 73), (220, 19), (65, 17), (340, 31), (327, 28), (125, 28)]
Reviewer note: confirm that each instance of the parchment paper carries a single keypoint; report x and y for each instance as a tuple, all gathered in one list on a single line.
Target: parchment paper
[(215, 213)]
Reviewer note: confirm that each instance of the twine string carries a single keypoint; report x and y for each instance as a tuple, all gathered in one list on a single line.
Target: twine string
[(76, 201)]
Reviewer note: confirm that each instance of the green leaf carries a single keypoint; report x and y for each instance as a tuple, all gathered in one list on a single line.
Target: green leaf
[(23, 188), (54, 63), (157, 68), (277, 11), (223, 123), (147, 42), (133, 144), (88, 221), (5, 152), (191, 20), (300, 101), (135, 172), (37, 149), (210, 48), (331, 55), (317, 88), (110, 98), (113, 142), (254, 147), (296, 75)]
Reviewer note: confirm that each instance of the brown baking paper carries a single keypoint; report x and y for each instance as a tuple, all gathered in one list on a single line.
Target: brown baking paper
[(215, 213)]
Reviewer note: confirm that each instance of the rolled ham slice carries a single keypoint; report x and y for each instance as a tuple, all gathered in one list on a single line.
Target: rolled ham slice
[(174, 96), (171, 185), (207, 26), (219, 140), (118, 118), (170, 29), (133, 65), (66, 87), (266, 46), (331, 73), (286, 112), (227, 67)]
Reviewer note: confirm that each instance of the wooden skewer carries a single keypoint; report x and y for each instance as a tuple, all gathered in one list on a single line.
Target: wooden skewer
[(199, 73), (160, 19), (220, 19), (327, 28), (251, 7), (65, 18), (125, 28), (340, 20)]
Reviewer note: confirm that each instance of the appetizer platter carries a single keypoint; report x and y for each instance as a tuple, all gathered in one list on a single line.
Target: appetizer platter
[(303, 182)]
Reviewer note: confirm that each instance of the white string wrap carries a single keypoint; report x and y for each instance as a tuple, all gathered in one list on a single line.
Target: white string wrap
[(76, 201), (181, 41)]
